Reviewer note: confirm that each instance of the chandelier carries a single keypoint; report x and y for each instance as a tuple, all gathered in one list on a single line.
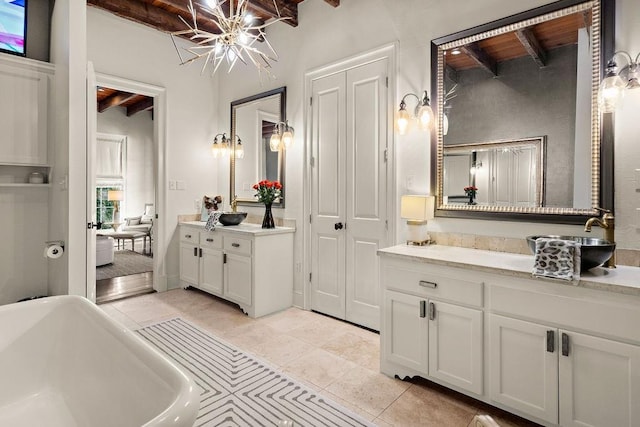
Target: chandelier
[(237, 40)]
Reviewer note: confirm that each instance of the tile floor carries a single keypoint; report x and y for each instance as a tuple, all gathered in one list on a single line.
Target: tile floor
[(335, 358)]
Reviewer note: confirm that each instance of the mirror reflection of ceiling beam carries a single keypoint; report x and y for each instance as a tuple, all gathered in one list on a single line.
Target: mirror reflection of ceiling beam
[(451, 74), (114, 100), (143, 105), (532, 46), (481, 58)]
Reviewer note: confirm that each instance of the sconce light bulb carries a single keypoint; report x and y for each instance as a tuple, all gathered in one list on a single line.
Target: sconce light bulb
[(402, 121), (610, 93), (425, 117), (274, 142), (215, 149), (287, 139), (239, 151), (445, 124)]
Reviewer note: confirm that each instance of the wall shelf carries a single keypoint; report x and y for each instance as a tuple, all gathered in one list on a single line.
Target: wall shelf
[(25, 185), (17, 175)]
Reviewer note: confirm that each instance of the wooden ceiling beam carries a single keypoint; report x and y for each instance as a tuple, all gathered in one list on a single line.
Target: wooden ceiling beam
[(334, 3), (147, 14), (481, 58), (142, 105), (532, 46), (287, 9), (114, 100)]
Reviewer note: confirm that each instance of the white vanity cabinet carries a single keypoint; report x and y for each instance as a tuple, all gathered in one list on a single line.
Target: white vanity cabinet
[(556, 373), (477, 322), (432, 324), (244, 264)]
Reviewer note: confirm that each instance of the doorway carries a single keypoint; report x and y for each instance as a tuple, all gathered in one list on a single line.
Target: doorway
[(124, 195), (349, 179)]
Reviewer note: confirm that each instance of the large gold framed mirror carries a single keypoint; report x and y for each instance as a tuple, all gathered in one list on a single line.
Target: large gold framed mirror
[(533, 76), (253, 121)]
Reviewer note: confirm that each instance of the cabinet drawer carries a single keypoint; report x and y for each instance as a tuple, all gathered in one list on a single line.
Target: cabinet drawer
[(237, 245), (210, 240), (189, 235), (433, 281)]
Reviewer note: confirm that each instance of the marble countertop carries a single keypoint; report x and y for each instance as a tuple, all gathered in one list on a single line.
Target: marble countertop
[(244, 228), (623, 279)]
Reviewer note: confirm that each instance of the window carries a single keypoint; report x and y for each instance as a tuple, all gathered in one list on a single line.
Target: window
[(104, 206), (111, 164)]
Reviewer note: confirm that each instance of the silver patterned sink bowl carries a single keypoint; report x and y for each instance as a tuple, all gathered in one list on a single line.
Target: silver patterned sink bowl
[(232, 218), (593, 251)]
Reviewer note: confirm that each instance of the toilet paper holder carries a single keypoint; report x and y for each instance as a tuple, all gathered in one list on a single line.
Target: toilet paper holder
[(55, 242)]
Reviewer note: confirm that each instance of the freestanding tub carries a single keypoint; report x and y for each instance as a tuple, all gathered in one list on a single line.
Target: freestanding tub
[(63, 362)]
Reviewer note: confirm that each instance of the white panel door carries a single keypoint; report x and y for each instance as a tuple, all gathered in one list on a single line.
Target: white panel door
[(525, 177), (349, 125), (523, 367), (406, 336), (455, 345), (599, 382), (502, 178), (328, 196), (366, 190), (211, 268)]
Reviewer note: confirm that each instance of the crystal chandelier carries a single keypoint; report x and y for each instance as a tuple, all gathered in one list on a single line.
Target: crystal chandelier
[(237, 40)]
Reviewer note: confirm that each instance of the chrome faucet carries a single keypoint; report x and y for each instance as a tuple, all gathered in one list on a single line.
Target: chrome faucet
[(607, 222), (234, 203)]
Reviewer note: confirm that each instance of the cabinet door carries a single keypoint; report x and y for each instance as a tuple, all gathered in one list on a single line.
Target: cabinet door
[(237, 279), (599, 382), (524, 366), (189, 263), (455, 345), (211, 268), (24, 128), (406, 329)]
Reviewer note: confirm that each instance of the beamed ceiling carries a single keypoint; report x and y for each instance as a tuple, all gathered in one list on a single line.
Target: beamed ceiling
[(164, 15)]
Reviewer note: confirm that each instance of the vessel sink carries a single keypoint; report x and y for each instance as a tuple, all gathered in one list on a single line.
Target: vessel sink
[(593, 251), (232, 218)]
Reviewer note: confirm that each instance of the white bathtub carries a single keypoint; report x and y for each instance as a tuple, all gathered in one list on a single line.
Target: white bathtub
[(63, 362)]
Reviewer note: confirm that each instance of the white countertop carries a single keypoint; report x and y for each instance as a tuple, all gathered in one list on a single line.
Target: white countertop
[(623, 279), (243, 228)]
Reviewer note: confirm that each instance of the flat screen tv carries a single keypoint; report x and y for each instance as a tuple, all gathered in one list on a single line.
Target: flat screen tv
[(13, 26)]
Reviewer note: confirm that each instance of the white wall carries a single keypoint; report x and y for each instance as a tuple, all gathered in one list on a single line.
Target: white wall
[(128, 50), (139, 173), (67, 147), (328, 34)]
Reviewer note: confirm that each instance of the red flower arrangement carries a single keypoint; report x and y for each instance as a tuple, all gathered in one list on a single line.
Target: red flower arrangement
[(267, 191), (470, 190)]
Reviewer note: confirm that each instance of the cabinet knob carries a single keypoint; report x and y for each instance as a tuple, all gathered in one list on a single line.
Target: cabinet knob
[(423, 309), (235, 245), (432, 311), (209, 239), (188, 236)]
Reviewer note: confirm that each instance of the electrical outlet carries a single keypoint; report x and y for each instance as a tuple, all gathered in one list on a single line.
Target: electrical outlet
[(197, 203), (172, 184), (298, 267)]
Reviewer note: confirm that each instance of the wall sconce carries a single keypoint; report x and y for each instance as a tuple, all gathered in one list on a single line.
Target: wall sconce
[(223, 147), (417, 210), (282, 136), (422, 113), (614, 84), (475, 166)]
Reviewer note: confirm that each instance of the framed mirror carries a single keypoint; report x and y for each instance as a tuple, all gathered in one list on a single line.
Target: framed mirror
[(253, 121), (517, 116)]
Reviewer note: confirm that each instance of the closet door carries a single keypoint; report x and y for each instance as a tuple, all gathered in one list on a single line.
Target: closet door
[(366, 190), (328, 198), (349, 191)]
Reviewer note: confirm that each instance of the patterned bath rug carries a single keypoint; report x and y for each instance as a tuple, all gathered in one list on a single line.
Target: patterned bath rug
[(237, 389)]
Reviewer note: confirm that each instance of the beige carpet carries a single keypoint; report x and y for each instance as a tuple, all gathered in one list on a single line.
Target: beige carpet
[(125, 263)]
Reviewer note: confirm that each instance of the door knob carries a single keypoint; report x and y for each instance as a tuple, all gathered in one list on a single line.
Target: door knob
[(338, 226)]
